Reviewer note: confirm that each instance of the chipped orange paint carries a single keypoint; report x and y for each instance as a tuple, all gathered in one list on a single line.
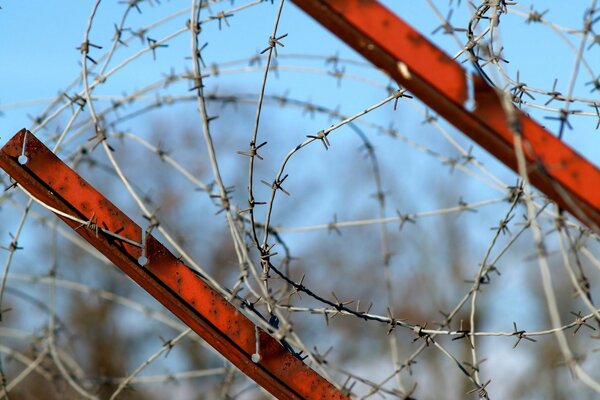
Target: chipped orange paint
[(440, 82), (165, 277), (415, 63)]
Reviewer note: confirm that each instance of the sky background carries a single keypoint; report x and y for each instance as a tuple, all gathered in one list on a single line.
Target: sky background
[(38, 41)]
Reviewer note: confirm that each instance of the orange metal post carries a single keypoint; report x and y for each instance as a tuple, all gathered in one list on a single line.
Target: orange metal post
[(415, 63), (409, 58), (165, 277)]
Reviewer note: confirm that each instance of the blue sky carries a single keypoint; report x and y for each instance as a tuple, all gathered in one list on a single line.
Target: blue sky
[(38, 41), (40, 59)]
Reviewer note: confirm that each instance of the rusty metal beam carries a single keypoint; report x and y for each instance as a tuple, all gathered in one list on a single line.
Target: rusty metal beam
[(164, 276), (440, 82), (408, 57)]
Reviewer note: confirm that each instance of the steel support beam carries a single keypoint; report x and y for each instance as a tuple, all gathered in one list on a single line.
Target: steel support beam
[(165, 277), (406, 56), (414, 62)]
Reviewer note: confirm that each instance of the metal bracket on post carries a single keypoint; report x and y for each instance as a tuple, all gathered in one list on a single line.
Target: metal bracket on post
[(414, 62), (165, 277)]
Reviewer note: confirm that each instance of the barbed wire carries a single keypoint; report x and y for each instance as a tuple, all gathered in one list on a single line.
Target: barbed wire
[(342, 229)]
